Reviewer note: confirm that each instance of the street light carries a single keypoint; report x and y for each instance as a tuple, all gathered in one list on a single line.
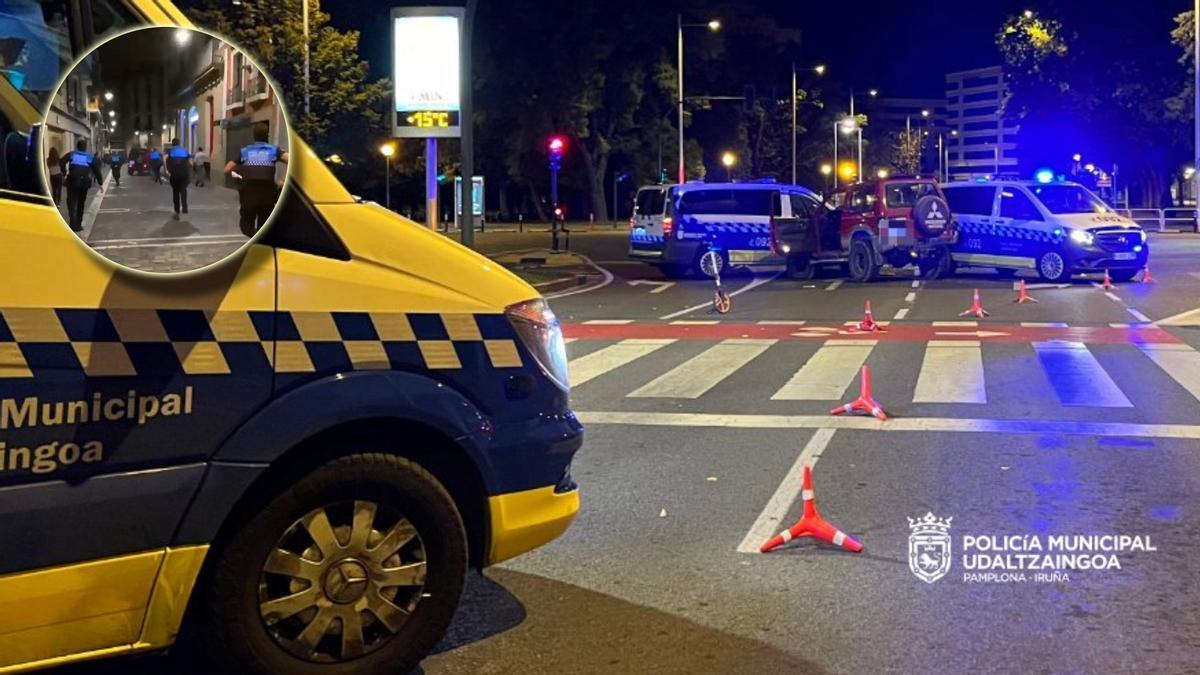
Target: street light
[(925, 113), (819, 69), (728, 159), (847, 126), (882, 173), (108, 96), (713, 25), (873, 93), (826, 171), (387, 150), (112, 113), (182, 36)]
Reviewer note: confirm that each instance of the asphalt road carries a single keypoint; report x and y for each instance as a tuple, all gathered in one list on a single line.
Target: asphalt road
[(1076, 416), (1073, 416)]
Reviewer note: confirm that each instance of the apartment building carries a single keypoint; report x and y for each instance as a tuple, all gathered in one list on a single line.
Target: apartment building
[(981, 142)]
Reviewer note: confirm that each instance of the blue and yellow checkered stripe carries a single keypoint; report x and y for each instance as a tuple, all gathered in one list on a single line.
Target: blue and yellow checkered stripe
[(144, 342), (1010, 232), (726, 227)]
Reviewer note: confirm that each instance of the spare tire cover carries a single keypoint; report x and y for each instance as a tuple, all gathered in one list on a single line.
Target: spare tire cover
[(931, 215)]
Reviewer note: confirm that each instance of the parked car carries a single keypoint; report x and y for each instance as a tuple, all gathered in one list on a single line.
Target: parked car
[(1057, 229), (898, 221), (139, 162), (673, 225)]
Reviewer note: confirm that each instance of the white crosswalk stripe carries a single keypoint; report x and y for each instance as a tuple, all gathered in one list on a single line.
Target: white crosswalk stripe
[(597, 363), (1078, 378), (952, 372), (1181, 362), (827, 375), (697, 375)]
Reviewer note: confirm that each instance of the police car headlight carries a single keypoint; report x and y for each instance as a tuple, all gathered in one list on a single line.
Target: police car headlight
[(1082, 237), (541, 334)]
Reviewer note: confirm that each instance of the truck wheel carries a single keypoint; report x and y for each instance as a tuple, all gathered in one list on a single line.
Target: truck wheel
[(863, 267), (355, 568), (1052, 267), (801, 266)]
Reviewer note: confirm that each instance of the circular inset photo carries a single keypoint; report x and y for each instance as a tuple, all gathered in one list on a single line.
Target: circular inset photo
[(166, 150)]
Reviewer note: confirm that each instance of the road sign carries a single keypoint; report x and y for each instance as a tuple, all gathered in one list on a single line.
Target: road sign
[(426, 74)]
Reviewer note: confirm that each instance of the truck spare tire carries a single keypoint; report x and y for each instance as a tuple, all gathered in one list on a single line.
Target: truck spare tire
[(931, 215)]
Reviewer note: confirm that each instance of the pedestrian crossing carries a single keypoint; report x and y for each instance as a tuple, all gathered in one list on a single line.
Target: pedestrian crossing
[(970, 372)]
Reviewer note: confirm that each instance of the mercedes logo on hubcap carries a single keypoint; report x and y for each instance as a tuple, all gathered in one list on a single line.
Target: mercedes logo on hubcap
[(346, 581)]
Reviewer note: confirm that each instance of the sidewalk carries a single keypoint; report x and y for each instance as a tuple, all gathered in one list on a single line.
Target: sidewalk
[(95, 197)]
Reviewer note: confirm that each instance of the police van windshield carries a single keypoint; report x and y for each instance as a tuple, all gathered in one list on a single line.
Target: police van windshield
[(726, 202), (35, 42), (1067, 199)]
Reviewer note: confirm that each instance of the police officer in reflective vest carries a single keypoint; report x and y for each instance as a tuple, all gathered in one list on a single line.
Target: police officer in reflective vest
[(156, 165), (179, 164), (115, 160), (257, 190), (81, 168)]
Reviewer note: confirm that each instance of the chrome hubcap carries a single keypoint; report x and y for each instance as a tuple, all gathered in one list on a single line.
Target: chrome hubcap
[(341, 581), (1052, 265)]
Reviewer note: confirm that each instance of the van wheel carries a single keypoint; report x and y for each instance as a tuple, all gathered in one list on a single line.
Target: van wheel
[(355, 568), (801, 267), (1052, 267), (722, 264), (863, 267)]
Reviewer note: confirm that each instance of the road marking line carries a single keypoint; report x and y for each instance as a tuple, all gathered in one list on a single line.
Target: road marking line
[(833, 285), (955, 324), (1181, 362), (1188, 318), (916, 284), (1112, 296), (782, 323), (694, 377), (827, 375), (238, 239), (1138, 315), (599, 362), (1043, 324), (606, 280), (608, 322), (759, 281), (915, 424), (952, 372), (770, 520), (1077, 377), (901, 313), (139, 240), (695, 323), (910, 297)]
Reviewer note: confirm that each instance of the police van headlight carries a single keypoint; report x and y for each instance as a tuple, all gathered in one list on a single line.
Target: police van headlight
[(1082, 237), (541, 333)]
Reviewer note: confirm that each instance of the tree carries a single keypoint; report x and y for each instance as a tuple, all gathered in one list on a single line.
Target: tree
[(346, 107), (907, 149)]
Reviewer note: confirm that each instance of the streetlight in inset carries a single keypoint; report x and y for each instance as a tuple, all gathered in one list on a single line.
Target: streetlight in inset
[(182, 36), (847, 126), (925, 113), (819, 69), (112, 113), (387, 150), (882, 173), (108, 96), (728, 159), (826, 171), (873, 93), (714, 25)]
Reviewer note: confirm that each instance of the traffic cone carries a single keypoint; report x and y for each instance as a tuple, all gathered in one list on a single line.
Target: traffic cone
[(1146, 278), (976, 308), (868, 325), (1107, 284), (865, 402), (811, 524), (1023, 295)]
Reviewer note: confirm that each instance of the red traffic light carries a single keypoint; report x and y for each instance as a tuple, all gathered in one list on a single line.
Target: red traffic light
[(557, 144)]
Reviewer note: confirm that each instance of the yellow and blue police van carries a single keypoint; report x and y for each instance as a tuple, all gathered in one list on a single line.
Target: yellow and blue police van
[(1054, 228), (293, 458)]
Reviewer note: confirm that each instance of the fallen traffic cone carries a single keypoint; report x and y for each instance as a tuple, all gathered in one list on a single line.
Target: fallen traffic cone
[(865, 402), (1023, 295), (1146, 278), (868, 325), (811, 524), (1107, 284), (976, 308)]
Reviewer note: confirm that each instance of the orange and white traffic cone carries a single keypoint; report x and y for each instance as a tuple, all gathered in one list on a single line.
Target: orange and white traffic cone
[(1107, 283), (865, 402), (868, 325), (976, 308), (811, 524), (1023, 295), (1146, 278)]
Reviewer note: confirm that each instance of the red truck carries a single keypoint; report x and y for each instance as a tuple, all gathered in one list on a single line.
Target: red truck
[(896, 221)]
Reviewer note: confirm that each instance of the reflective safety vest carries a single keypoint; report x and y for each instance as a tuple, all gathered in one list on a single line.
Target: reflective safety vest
[(114, 159), (179, 159), (80, 168), (156, 156), (258, 162)]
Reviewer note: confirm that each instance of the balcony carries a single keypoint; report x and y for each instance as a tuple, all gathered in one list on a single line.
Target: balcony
[(235, 97), (256, 88)]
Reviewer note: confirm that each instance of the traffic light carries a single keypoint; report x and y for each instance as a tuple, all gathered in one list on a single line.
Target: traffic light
[(556, 146)]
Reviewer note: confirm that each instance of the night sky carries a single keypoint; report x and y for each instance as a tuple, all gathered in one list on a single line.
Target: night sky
[(902, 48)]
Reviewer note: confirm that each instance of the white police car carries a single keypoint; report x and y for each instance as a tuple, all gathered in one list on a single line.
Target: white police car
[(673, 225), (1057, 229)]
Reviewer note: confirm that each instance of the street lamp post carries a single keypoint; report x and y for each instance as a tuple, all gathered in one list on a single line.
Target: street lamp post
[(387, 150), (728, 159), (826, 170), (819, 70), (713, 25)]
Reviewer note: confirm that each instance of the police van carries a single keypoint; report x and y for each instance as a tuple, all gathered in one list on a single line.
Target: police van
[(673, 225), (1057, 229), (292, 458)]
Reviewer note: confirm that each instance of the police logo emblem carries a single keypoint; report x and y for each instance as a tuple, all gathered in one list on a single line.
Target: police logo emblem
[(929, 549)]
